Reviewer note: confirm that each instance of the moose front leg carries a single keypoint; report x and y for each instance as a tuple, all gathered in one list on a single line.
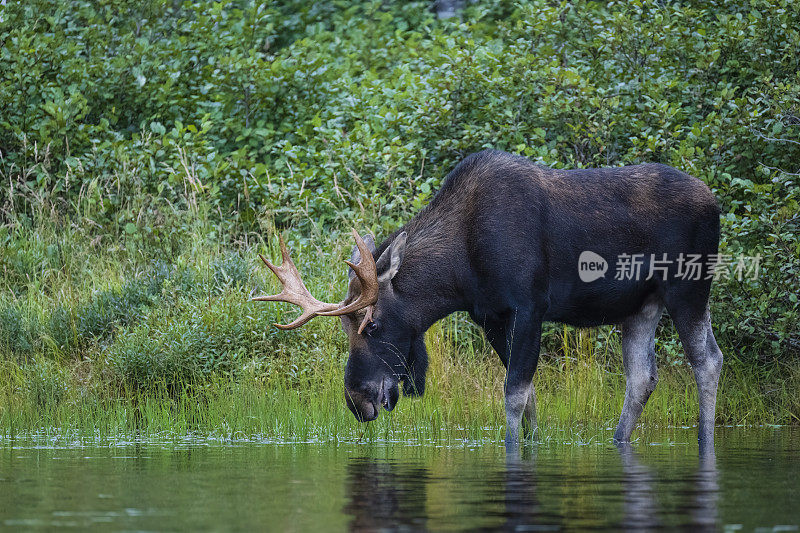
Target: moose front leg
[(522, 361), (500, 336)]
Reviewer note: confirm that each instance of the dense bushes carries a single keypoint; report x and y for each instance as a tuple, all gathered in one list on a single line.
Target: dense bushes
[(316, 115), (66, 329), (69, 327), (157, 326)]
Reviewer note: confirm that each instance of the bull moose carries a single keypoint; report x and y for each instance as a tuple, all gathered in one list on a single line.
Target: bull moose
[(502, 240)]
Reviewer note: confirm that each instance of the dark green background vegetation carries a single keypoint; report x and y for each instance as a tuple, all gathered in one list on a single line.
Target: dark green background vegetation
[(150, 148)]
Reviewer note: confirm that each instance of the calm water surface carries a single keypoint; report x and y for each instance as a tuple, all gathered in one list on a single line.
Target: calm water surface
[(753, 483)]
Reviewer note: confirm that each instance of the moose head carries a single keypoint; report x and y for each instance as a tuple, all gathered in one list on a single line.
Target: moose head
[(383, 350)]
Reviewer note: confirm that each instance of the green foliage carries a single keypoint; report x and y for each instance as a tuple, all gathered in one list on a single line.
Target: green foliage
[(67, 329), (14, 335), (110, 307), (208, 328), (144, 121), (171, 351), (229, 271)]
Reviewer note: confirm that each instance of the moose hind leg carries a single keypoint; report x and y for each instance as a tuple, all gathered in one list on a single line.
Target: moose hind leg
[(705, 357), (639, 362)]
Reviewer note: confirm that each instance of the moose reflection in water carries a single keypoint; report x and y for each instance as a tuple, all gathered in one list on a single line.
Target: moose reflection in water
[(386, 494), (383, 494), (640, 494)]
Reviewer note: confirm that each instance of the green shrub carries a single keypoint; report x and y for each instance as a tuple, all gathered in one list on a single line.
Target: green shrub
[(142, 363), (60, 330), (229, 271), (175, 350), (109, 308), (15, 335), (20, 262)]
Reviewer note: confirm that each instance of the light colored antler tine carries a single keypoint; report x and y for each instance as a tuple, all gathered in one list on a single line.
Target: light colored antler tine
[(366, 256), (368, 275), (284, 251), (288, 298), (279, 274), (282, 296), (293, 290), (286, 261), (299, 321), (263, 299), (270, 266), (367, 319)]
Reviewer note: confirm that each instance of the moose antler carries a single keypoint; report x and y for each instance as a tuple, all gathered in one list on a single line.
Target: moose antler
[(295, 292)]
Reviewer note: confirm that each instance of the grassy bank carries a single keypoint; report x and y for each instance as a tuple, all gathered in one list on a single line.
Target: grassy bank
[(139, 335)]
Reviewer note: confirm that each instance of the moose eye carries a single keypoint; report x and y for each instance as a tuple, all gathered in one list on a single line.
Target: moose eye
[(371, 328)]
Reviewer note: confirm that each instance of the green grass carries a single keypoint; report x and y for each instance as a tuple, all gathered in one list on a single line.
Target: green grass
[(462, 403), (137, 339)]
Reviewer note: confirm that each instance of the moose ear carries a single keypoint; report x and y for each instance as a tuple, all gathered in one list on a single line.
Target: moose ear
[(390, 260), (355, 256)]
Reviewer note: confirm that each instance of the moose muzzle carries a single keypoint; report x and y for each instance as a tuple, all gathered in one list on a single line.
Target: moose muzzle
[(366, 403)]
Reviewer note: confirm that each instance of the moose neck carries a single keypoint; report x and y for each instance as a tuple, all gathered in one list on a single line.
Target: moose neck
[(431, 283)]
